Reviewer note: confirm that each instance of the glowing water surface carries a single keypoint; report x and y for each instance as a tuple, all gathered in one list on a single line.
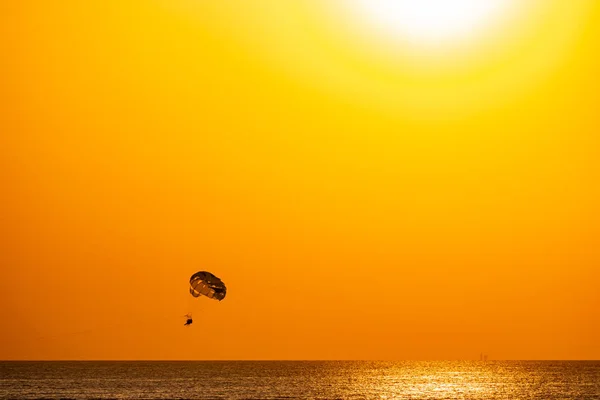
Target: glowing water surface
[(301, 379)]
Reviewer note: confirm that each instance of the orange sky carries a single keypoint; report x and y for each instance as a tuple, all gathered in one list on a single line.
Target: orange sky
[(361, 198)]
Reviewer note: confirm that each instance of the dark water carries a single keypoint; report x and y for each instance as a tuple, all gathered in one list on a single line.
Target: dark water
[(301, 380)]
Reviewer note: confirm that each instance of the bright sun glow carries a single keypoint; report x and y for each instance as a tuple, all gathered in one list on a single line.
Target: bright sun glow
[(431, 21)]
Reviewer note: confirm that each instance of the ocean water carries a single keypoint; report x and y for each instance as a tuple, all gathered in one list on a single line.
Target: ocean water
[(512, 380)]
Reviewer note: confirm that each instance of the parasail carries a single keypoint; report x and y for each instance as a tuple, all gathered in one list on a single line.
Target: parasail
[(204, 283)]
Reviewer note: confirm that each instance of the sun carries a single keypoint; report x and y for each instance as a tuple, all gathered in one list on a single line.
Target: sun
[(431, 22)]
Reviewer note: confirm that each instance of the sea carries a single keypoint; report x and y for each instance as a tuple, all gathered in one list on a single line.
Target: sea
[(512, 380)]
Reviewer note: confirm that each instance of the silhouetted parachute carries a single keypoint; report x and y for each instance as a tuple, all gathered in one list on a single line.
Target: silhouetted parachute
[(206, 284)]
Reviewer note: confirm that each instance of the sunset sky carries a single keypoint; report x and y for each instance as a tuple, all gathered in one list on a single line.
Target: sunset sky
[(370, 179)]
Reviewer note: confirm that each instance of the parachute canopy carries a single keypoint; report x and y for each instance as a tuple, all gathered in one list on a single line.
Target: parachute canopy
[(204, 283)]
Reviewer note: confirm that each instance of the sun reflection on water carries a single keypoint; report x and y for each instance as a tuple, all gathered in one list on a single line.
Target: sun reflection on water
[(495, 380)]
